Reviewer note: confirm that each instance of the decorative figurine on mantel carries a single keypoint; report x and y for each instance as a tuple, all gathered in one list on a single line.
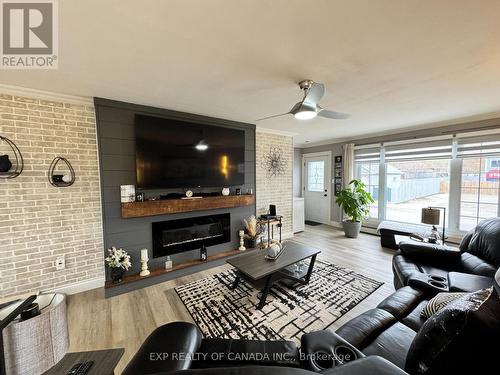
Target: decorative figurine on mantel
[(242, 247), (144, 263), (203, 253)]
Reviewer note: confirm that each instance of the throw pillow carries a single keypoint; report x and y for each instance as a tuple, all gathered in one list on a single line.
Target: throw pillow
[(440, 301)]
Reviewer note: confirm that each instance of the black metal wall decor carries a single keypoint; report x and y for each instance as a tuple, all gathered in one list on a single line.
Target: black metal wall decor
[(12, 165), (274, 162), (61, 180), (338, 169)]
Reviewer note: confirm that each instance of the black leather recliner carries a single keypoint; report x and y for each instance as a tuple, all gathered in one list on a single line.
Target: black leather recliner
[(478, 254), (460, 339)]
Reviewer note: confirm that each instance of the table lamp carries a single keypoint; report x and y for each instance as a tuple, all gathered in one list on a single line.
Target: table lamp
[(431, 216)]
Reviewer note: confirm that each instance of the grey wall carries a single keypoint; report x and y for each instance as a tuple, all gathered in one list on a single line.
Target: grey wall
[(115, 132), (297, 172)]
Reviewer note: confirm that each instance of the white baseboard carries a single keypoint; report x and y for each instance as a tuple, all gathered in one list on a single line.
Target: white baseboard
[(81, 286), (336, 224)]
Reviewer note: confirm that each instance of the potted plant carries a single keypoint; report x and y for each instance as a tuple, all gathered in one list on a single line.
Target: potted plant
[(354, 201), (118, 262), (252, 229)]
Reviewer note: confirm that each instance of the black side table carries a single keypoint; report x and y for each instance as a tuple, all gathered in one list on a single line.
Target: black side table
[(105, 362), (271, 220)]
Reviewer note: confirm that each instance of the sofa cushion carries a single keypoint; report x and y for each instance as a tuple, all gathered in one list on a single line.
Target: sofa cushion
[(434, 271), (461, 338), (473, 264), (414, 319), (485, 242), (364, 328), (466, 282), (392, 344), (401, 302)]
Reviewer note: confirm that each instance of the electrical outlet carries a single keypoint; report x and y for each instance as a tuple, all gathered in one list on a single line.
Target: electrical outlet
[(60, 263)]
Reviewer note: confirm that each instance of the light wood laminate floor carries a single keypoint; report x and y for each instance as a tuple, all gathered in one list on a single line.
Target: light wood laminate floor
[(126, 320)]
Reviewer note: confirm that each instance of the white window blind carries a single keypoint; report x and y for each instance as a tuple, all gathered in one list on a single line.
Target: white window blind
[(367, 153), (419, 150), (484, 145)]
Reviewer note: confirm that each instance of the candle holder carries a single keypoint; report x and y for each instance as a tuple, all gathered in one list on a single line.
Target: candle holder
[(242, 242), (144, 263)]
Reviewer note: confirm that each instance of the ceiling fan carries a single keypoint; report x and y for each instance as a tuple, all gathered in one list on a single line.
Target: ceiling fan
[(309, 108)]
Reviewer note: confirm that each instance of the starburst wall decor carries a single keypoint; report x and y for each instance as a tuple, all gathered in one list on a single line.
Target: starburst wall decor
[(274, 162)]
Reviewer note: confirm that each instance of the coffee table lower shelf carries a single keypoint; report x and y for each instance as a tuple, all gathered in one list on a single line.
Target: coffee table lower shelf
[(286, 274)]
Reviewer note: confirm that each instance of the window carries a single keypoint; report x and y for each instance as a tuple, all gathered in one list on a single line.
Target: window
[(316, 176), (458, 172), (368, 172), (412, 185), (479, 195)]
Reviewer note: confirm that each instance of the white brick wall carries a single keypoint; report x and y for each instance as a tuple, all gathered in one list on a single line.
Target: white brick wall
[(39, 222), (276, 190)]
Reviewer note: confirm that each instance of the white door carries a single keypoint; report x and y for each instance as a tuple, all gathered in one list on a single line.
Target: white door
[(317, 186)]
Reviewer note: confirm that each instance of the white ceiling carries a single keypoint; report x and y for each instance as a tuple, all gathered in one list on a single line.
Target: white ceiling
[(392, 64)]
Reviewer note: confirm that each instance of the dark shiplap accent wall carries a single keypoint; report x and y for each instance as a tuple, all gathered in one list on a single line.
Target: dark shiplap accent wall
[(115, 133)]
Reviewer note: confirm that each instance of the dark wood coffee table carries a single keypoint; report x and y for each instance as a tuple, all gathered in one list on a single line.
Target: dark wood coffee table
[(254, 267)]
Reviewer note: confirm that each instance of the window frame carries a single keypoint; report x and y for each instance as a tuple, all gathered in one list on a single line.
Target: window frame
[(455, 188)]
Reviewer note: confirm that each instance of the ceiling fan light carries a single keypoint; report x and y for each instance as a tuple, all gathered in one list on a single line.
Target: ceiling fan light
[(201, 145), (305, 115)]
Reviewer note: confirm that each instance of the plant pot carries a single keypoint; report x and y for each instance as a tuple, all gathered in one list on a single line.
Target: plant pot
[(117, 274), (251, 243), (351, 228), (5, 163)]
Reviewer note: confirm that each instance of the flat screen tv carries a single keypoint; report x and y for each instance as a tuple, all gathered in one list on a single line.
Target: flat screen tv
[(180, 154)]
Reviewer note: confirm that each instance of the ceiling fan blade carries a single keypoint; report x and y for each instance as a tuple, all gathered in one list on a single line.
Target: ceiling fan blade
[(270, 117), (332, 114), (314, 94)]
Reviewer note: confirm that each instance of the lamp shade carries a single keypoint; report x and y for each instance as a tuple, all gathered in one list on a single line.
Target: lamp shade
[(430, 216), (33, 346)]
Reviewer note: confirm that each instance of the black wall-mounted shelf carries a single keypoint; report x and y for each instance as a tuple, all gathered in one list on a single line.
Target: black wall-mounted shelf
[(51, 172), (17, 163)]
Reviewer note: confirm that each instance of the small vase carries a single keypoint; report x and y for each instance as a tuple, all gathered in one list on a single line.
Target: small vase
[(251, 243), (225, 191), (117, 274), (5, 163)]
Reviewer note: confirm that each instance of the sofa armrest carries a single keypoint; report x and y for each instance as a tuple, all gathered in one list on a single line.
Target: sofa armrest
[(432, 254), (372, 365), (170, 347)]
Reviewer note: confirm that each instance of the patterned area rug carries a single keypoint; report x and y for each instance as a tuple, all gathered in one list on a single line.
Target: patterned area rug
[(289, 313)]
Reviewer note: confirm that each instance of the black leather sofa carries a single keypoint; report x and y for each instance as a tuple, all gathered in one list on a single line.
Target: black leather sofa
[(460, 339), (178, 348), (390, 339), (470, 267)]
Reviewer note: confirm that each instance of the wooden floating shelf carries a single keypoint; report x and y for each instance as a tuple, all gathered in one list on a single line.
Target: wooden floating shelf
[(161, 271), (173, 206)]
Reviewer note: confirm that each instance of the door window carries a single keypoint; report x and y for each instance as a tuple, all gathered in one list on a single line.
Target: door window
[(316, 176)]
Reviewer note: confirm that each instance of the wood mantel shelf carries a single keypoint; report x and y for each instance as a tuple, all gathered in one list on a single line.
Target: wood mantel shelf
[(186, 264), (173, 206)]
